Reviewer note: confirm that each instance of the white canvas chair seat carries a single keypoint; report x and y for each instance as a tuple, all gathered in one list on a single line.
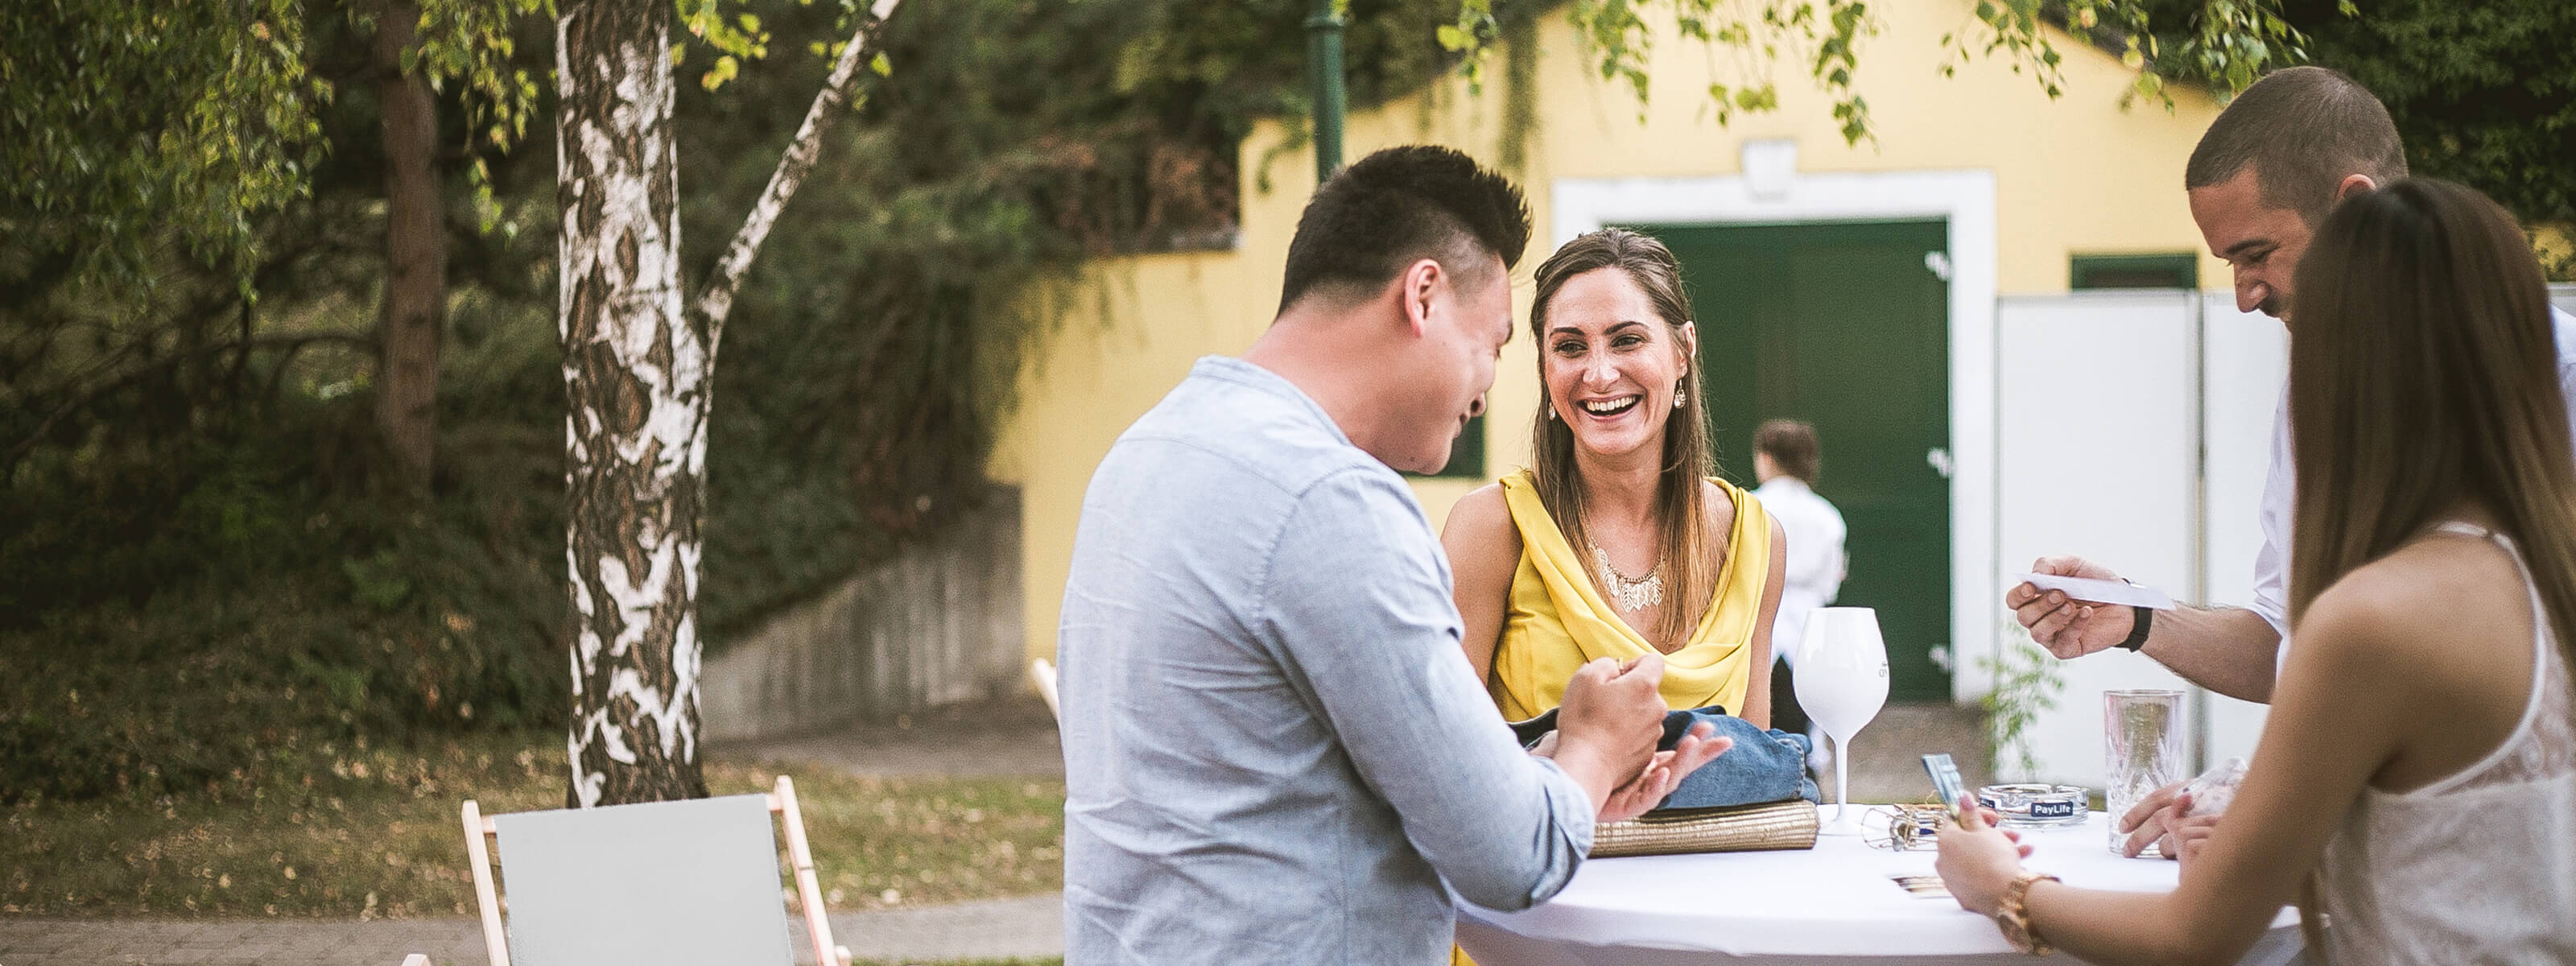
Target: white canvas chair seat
[(682, 883)]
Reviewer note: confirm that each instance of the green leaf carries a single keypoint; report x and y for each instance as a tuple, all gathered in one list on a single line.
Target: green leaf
[(725, 69)]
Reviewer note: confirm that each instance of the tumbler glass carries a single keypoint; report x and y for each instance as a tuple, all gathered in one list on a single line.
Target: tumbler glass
[(2141, 749)]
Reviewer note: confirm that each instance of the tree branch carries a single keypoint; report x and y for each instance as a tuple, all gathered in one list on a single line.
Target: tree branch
[(292, 343), (50, 271), (715, 298)]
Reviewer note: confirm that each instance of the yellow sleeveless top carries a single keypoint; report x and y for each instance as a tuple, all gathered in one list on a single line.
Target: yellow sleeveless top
[(1557, 620)]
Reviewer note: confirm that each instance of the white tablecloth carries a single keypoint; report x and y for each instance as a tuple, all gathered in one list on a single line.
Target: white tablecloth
[(1834, 904)]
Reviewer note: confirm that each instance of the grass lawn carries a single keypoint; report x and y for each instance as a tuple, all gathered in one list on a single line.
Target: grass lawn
[(375, 833)]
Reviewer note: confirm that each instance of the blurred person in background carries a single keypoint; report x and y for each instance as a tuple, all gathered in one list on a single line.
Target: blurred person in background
[(1786, 458)]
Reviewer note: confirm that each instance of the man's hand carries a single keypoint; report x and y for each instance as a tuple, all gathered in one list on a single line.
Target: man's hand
[(2069, 628), (1609, 724), (2158, 819), (2192, 837), (1663, 773)]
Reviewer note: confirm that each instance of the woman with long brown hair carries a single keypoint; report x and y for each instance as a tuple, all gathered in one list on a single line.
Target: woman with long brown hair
[(1618, 539), (2418, 768)]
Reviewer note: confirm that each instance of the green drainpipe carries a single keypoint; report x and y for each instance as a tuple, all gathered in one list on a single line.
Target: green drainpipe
[(1324, 82)]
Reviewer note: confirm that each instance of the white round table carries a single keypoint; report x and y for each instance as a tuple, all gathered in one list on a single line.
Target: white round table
[(1834, 904)]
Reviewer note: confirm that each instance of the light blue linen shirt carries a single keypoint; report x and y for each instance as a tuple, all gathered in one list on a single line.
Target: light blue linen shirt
[(1274, 749)]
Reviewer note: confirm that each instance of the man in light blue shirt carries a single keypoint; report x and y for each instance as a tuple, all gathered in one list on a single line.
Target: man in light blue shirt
[(1274, 750)]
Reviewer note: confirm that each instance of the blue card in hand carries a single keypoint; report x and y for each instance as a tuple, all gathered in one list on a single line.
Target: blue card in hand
[(1946, 782)]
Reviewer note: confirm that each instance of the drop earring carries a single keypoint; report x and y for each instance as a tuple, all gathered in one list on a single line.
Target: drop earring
[(1551, 414), (1679, 396)]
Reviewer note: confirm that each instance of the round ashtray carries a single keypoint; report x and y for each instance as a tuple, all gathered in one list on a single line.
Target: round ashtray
[(2036, 806)]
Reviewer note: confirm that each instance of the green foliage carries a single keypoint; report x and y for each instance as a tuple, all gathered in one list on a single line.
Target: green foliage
[(179, 616), (472, 46), (2027, 684), (2226, 43), (132, 126), (209, 580), (733, 40), (876, 342), (204, 568), (1619, 37), (2484, 93), (2220, 44)]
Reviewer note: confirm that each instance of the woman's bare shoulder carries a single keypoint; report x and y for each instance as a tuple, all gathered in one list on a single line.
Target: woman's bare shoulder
[(1719, 509), (2408, 606), (1482, 521)]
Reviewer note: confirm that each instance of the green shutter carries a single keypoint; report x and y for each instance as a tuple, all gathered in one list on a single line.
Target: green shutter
[(1467, 455), (2167, 270)]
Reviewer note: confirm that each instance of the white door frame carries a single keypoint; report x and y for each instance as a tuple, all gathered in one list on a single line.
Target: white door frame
[(1965, 200)]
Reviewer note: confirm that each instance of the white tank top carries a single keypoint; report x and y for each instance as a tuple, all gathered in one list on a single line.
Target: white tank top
[(2479, 867)]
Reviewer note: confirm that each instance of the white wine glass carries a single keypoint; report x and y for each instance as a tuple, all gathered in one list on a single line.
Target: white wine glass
[(1842, 684)]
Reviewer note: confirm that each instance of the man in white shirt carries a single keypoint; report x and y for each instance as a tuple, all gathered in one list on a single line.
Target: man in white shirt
[(1785, 460), (2264, 175)]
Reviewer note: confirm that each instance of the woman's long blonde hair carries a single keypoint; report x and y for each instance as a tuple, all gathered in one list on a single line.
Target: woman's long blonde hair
[(2424, 374), (1680, 514)]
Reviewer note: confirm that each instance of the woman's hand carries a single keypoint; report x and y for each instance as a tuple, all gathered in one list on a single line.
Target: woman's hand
[(1663, 773), (1546, 746), (1977, 859)]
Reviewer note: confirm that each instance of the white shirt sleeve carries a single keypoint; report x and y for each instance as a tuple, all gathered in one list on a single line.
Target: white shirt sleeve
[(1815, 531), (2272, 563), (2565, 325)]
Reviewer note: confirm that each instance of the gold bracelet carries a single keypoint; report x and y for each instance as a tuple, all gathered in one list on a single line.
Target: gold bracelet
[(2012, 915)]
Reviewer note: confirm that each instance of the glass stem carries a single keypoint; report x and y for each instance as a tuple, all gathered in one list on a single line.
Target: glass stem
[(1842, 777)]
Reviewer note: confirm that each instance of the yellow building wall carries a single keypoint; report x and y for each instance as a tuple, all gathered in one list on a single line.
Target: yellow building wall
[(2074, 176)]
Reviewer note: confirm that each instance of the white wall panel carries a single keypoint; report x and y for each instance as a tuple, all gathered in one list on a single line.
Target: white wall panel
[(2247, 359), (2113, 446), (2097, 445)]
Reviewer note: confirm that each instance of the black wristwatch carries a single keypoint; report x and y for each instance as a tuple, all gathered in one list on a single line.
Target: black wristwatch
[(2138, 631)]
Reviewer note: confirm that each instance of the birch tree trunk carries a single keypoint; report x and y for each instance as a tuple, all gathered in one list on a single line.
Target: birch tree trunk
[(639, 371), (635, 371), (407, 333)]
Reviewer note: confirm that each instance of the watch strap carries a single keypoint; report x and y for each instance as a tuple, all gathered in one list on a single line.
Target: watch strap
[(2140, 620)]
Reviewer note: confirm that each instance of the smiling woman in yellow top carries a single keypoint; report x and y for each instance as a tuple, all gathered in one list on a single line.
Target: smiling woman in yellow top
[(1619, 538)]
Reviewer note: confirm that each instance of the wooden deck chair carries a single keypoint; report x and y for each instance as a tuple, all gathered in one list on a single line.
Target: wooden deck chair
[(680, 883), (1044, 674)]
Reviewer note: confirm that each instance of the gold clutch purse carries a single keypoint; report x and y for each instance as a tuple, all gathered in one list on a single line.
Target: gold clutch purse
[(1766, 826)]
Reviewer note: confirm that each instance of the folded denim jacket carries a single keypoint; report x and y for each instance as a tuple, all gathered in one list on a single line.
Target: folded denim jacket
[(1764, 766)]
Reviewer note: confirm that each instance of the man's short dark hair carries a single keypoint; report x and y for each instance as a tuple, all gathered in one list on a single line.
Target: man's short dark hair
[(2302, 130), (1397, 206)]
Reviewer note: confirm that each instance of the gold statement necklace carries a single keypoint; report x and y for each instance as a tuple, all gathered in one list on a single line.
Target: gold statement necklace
[(1626, 593)]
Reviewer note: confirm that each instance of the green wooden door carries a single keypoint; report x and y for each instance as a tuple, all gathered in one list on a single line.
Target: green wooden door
[(1844, 325)]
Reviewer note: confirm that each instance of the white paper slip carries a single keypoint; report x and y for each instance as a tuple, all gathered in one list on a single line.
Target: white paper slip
[(2101, 591)]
